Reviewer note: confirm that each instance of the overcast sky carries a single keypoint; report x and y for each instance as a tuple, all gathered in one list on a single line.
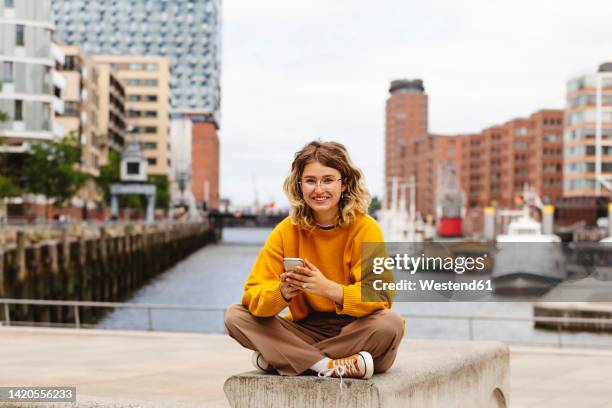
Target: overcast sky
[(293, 71)]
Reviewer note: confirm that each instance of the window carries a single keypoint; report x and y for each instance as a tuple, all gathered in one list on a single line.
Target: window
[(7, 72), (9, 3), (135, 67), (151, 82), (19, 35), (70, 63), (133, 98), (150, 129), (133, 168), (134, 82), (152, 161), (18, 110), (150, 98), (150, 114), (150, 145), (152, 67), (71, 108)]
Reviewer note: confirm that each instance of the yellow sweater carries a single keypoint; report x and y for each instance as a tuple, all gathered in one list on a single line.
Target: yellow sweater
[(336, 253)]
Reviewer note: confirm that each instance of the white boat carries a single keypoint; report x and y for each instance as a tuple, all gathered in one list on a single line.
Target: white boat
[(527, 261)]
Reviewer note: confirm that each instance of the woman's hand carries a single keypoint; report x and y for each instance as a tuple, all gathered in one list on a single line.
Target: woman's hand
[(311, 280), (288, 290)]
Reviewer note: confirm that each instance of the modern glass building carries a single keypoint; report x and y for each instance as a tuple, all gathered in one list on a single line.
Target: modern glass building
[(30, 89), (186, 31)]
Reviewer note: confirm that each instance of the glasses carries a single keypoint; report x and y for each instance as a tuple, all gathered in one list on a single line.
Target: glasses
[(311, 184)]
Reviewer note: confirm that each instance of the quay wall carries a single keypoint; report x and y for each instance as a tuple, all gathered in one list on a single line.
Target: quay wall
[(106, 265)]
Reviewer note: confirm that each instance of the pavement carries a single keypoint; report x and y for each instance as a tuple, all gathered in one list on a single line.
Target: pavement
[(156, 369)]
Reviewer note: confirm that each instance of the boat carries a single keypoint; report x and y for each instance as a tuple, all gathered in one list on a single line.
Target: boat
[(527, 262)]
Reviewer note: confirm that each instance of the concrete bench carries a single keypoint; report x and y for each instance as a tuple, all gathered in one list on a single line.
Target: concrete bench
[(426, 373)]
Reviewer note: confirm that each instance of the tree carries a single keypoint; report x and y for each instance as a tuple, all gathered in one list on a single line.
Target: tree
[(52, 169), (8, 187), (375, 205), (109, 174)]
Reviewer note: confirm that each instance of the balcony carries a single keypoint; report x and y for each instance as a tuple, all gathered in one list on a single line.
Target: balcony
[(58, 80), (58, 105), (57, 54)]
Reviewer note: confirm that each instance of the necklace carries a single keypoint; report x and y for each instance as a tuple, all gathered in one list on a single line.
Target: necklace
[(327, 227)]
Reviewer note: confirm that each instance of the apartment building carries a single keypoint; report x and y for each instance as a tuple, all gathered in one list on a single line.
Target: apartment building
[(146, 81), (30, 89), (111, 111), (81, 99)]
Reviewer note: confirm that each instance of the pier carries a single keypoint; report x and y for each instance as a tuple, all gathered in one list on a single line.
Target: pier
[(96, 264)]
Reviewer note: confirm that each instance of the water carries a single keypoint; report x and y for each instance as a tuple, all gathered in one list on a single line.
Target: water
[(215, 276)]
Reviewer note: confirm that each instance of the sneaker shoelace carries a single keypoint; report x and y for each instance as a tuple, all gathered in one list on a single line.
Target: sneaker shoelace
[(342, 367)]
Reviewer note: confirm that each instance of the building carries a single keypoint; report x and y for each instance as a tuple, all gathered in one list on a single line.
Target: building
[(492, 166), (80, 116), (406, 124), (188, 32), (587, 147), (146, 81), (30, 89), (111, 111), (588, 135)]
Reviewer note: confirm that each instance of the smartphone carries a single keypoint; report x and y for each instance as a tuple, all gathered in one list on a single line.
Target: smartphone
[(291, 264)]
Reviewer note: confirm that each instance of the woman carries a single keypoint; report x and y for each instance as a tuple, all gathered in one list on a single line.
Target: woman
[(329, 329)]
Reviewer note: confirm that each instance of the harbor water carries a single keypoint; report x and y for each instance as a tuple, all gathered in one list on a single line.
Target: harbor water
[(215, 275)]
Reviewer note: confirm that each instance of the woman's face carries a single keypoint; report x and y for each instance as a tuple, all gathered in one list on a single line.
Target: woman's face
[(321, 188)]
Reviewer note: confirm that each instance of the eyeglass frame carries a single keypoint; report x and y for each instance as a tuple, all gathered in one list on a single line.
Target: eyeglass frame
[(318, 183)]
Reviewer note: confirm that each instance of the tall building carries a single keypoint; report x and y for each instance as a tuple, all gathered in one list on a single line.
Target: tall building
[(188, 32), (405, 130), (30, 89), (146, 82), (588, 135)]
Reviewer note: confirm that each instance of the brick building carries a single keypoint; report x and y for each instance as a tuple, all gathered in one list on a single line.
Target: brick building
[(492, 166)]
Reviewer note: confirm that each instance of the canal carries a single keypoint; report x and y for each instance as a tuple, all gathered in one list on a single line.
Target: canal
[(215, 275)]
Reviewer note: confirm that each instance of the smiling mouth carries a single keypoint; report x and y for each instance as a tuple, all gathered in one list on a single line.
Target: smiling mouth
[(321, 199)]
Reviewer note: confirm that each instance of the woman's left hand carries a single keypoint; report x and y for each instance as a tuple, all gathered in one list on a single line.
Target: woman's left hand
[(312, 281)]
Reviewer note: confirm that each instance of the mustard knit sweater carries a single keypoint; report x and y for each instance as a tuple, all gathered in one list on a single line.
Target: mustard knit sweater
[(336, 253)]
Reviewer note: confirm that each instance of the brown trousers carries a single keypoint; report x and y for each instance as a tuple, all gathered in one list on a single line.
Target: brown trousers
[(293, 347)]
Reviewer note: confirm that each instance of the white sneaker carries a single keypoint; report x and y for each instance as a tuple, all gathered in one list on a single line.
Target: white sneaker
[(261, 364), (360, 365)]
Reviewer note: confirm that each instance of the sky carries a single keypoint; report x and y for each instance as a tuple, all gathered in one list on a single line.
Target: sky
[(295, 71)]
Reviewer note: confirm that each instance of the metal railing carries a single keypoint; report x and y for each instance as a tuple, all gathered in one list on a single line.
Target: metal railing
[(149, 307)]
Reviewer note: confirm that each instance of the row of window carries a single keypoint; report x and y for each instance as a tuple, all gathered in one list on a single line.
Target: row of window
[(142, 98), (141, 114), (145, 129), (587, 167), (142, 82)]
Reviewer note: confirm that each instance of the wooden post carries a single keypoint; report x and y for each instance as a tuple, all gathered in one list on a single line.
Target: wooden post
[(53, 255), (65, 250), (22, 272)]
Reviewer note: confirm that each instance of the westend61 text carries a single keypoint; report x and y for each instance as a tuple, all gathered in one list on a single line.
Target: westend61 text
[(430, 284), (412, 264)]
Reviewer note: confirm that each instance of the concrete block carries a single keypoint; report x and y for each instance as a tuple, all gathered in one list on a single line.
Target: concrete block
[(426, 373)]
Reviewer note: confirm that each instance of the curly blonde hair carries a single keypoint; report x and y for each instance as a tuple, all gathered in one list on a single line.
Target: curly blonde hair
[(355, 199)]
